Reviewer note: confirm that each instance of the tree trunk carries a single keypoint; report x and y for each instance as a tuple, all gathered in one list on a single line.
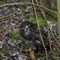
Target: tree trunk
[(58, 16)]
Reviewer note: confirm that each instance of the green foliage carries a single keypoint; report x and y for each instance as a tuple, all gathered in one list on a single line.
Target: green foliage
[(4, 31), (41, 21), (7, 30), (15, 35), (3, 58), (32, 20), (52, 15)]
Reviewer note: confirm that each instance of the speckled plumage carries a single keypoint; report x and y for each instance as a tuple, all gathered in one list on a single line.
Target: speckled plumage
[(30, 32)]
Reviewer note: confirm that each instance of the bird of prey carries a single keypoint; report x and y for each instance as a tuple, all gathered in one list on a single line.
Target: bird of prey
[(29, 31)]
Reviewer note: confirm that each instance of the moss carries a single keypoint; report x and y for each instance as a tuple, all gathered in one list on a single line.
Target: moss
[(41, 21)]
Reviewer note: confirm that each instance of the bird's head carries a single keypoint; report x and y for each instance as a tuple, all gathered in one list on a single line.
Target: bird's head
[(26, 29)]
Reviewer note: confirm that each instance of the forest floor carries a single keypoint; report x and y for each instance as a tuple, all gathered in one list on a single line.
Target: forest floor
[(10, 39)]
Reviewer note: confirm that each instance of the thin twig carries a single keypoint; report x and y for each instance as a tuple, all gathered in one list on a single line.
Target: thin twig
[(23, 3), (54, 37), (8, 15), (42, 11), (49, 28), (40, 30)]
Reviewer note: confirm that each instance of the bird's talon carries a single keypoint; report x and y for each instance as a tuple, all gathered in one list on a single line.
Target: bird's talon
[(32, 55), (28, 50)]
